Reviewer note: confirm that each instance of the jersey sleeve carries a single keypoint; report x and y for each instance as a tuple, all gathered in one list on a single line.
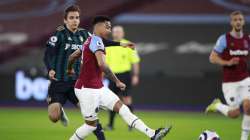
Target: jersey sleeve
[(54, 40), (50, 51), (220, 44), (134, 56), (108, 43), (96, 44)]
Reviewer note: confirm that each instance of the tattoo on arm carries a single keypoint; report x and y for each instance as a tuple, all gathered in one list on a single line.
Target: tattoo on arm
[(73, 57), (110, 74)]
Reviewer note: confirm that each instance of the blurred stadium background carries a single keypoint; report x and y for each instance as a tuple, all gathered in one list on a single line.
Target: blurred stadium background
[(173, 37)]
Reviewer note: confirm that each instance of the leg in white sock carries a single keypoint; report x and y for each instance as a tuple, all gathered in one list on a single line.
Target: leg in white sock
[(224, 109), (82, 132), (135, 122), (246, 120), (245, 127)]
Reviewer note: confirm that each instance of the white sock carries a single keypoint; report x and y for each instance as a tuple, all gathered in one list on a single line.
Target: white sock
[(82, 132), (245, 127), (224, 109), (135, 122)]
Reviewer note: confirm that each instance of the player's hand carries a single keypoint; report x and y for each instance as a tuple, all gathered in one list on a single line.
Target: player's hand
[(52, 74), (128, 45), (121, 85), (70, 72), (233, 61), (135, 80)]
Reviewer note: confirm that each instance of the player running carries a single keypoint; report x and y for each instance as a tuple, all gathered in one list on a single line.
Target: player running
[(89, 87), (231, 52)]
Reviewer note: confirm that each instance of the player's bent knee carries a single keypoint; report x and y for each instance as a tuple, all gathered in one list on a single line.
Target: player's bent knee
[(117, 106), (54, 115), (53, 118), (54, 111), (127, 100), (246, 107), (247, 110), (91, 123)]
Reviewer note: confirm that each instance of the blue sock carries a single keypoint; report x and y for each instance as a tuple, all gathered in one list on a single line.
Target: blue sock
[(99, 132)]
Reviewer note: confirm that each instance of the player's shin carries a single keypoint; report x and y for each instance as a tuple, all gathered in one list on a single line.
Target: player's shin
[(134, 121), (245, 127), (82, 132)]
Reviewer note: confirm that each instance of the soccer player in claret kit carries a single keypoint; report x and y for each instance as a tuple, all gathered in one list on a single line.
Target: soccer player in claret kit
[(231, 52), (89, 87), (64, 42)]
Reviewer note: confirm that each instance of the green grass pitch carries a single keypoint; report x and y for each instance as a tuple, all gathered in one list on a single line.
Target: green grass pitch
[(33, 124)]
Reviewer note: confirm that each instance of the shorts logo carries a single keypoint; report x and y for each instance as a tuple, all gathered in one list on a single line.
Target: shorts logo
[(97, 110), (232, 99), (88, 116)]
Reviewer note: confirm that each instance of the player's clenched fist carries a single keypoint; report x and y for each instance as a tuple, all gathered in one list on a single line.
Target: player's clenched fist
[(233, 61), (121, 85), (70, 72), (52, 74)]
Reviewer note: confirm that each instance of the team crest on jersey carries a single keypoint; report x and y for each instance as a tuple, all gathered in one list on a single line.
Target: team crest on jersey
[(246, 45), (231, 44)]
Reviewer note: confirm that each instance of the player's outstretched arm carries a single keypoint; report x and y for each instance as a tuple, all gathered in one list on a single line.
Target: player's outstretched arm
[(108, 43), (216, 59), (72, 58), (105, 68)]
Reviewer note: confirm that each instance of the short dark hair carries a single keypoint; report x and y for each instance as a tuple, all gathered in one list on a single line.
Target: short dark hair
[(234, 13), (99, 19), (72, 8)]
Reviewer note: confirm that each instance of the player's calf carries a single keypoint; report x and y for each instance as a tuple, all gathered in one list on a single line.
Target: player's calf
[(83, 131), (135, 122), (246, 120), (246, 106), (234, 113)]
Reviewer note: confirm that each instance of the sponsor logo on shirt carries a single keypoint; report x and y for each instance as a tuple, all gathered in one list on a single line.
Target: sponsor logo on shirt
[(238, 52), (72, 46)]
